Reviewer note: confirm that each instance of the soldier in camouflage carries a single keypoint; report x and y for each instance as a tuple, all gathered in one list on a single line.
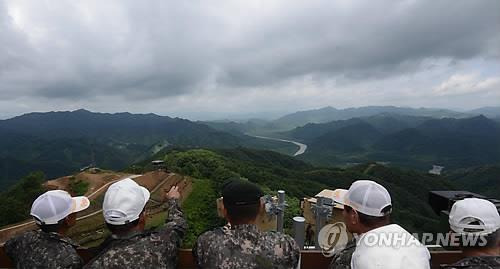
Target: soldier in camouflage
[(39, 249), (54, 213), (240, 244), (476, 217), (129, 245), (366, 211), (478, 262), (342, 259)]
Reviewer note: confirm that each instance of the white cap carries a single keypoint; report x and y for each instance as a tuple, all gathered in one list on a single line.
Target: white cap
[(365, 196), (482, 213), (124, 202), (390, 247), (53, 206)]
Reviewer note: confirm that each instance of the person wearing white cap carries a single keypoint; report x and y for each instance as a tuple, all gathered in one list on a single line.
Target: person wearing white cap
[(473, 217), (367, 207), (130, 246), (54, 212)]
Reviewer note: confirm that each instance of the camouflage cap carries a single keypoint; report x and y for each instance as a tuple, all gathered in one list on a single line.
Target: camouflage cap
[(240, 192)]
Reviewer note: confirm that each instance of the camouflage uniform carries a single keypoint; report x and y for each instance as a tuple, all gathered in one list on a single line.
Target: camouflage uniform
[(342, 259), (244, 246), (149, 249), (38, 249), (481, 262)]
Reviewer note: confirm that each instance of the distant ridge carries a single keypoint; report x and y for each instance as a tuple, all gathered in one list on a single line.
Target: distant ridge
[(489, 111), (327, 114), (59, 143), (330, 114), (416, 142)]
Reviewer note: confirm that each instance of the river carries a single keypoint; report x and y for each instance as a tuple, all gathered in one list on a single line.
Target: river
[(302, 147)]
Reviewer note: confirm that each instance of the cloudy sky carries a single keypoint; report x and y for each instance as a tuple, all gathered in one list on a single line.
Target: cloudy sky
[(209, 59)]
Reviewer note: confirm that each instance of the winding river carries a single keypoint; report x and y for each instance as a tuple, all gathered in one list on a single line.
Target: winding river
[(302, 147)]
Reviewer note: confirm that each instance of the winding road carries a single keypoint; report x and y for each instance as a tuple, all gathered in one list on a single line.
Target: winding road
[(301, 150)]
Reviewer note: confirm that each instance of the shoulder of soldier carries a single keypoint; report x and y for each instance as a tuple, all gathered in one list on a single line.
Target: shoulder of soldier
[(277, 236), (342, 259), (281, 238), (209, 235), (143, 236), (28, 235), (485, 262), (208, 238), (24, 237)]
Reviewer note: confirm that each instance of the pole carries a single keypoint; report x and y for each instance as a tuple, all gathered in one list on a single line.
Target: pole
[(281, 209), (299, 227), (319, 220)]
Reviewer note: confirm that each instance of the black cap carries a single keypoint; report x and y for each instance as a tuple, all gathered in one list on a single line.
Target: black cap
[(240, 192)]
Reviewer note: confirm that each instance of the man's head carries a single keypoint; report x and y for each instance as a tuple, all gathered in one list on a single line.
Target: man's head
[(241, 201), (123, 206), (55, 211), (476, 217), (367, 205)]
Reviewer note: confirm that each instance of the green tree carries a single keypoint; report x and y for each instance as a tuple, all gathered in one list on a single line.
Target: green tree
[(15, 203)]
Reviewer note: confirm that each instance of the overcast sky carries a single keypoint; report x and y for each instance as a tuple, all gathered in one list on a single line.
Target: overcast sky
[(209, 59)]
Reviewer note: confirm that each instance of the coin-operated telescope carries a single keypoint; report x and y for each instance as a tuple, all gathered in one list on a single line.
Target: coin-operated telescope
[(325, 228)]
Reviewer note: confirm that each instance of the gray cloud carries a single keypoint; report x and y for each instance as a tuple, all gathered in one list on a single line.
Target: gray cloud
[(165, 49), (372, 39)]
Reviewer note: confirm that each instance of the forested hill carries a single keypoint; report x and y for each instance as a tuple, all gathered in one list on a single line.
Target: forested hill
[(483, 179), (60, 143), (327, 114), (416, 142), (274, 171), (119, 127)]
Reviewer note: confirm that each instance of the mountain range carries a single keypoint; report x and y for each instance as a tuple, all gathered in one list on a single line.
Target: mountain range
[(329, 114), (59, 143), (416, 142)]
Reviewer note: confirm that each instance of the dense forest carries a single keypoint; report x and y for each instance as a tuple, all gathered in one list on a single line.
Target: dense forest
[(15, 203), (272, 171), (403, 141)]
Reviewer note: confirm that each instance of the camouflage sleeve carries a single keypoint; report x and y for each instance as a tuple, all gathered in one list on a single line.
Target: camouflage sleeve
[(94, 264), (10, 248), (342, 259), (291, 252), (196, 252), (73, 261), (175, 221)]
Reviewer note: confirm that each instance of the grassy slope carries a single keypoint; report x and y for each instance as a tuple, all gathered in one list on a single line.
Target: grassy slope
[(273, 171)]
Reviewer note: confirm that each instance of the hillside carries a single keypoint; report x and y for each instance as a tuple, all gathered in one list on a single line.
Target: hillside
[(352, 138), (274, 171), (210, 168), (90, 229), (328, 114), (490, 112), (120, 128), (455, 143), (60, 143), (484, 179), (416, 142)]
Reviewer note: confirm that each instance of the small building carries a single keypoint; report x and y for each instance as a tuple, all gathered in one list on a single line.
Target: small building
[(159, 164), (436, 170)]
